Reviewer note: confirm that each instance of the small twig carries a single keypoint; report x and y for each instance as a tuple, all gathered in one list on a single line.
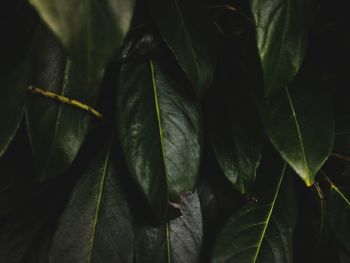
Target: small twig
[(322, 204), (65, 100), (341, 156)]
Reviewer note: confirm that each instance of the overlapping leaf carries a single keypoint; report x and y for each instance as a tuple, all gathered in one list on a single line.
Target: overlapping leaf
[(261, 231), (189, 37), (14, 69), (12, 94), (339, 214), (90, 30), (177, 241), (300, 124), (282, 35), (342, 135), (56, 130), (159, 131), (234, 125), (96, 225)]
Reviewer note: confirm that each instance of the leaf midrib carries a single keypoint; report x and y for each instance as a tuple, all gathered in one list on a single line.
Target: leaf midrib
[(269, 214), (283, 39), (301, 142), (59, 111), (195, 59), (98, 205), (159, 122), (335, 188)]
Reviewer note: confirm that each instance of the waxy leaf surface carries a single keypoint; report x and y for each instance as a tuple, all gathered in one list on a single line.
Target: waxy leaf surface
[(186, 28), (159, 131), (262, 231), (282, 34)]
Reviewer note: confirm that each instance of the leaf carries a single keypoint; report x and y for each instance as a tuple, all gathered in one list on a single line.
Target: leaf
[(339, 214), (14, 68), (342, 134), (56, 130), (189, 37), (282, 35), (260, 231), (159, 131), (12, 95), (177, 241), (91, 31), (17, 182), (300, 124), (234, 125), (96, 225)]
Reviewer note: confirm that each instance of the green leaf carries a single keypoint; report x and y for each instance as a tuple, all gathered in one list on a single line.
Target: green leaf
[(96, 225), (14, 69), (12, 95), (235, 126), (342, 134), (261, 231), (159, 131), (189, 37), (56, 130), (300, 124), (238, 151), (177, 241), (339, 214), (91, 31), (282, 35)]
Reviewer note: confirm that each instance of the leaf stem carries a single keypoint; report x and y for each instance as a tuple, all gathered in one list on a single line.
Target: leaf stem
[(65, 100), (341, 156)]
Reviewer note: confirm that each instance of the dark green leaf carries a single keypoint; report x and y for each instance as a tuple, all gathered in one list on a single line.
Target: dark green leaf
[(282, 33), (56, 130), (262, 231), (235, 126), (189, 37), (96, 225), (342, 134), (159, 131), (12, 94), (177, 241), (90, 30), (16, 20), (300, 123), (339, 214), (343, 256), (238, 152)]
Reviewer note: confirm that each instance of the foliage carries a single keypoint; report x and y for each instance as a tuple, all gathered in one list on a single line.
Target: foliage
[(174, 131)]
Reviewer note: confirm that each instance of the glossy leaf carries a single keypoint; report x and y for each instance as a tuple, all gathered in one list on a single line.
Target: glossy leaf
[(56, 130), (262, 231), (177, 241), (91, 31), (159, 131), (189, 37), (339, 214), (96, 225), (300, 124), (282, 35)]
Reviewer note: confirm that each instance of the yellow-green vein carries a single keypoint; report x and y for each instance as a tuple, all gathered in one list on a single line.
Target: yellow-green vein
[(155, 91), (98, 204), (59, 110), (335, 188), (307, 178), (269, 214), (188, 36)]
